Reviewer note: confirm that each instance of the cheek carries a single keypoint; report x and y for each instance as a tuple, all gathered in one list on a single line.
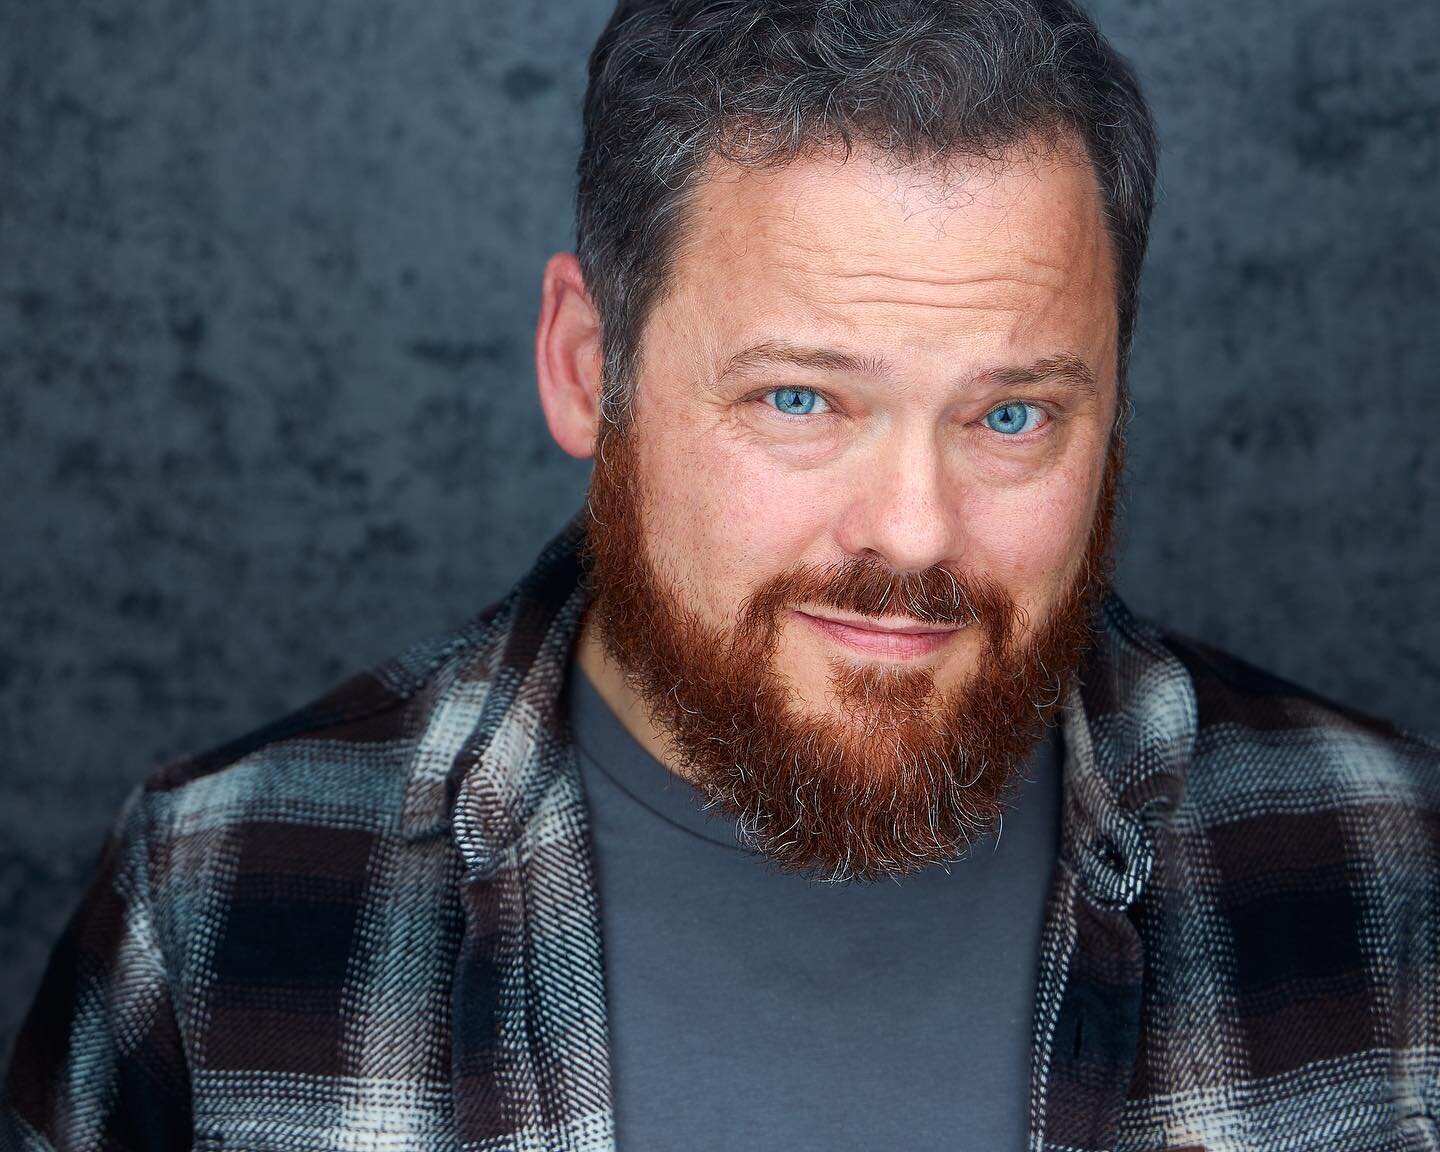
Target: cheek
[(1031, 541), (723, 522)]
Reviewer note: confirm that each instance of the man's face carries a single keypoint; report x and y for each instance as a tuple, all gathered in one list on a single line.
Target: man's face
[(848, 550)]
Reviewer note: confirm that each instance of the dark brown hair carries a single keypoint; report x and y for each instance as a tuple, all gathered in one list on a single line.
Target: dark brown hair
[(674, 83)]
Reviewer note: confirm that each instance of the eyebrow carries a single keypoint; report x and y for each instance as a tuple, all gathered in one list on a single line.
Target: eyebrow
[(778, 352), (1064, 369)]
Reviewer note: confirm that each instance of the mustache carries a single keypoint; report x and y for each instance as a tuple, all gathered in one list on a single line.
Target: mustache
[(868, 587)]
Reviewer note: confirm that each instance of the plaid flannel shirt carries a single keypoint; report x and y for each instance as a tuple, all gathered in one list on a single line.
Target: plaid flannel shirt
[(373, 924)]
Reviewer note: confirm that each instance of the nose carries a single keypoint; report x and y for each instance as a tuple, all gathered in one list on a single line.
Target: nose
[(900, 507)]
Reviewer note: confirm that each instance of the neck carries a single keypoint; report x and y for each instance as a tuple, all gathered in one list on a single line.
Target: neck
[(624, 701)]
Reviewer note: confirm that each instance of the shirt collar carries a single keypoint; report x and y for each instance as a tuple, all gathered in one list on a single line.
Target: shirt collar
[(1130, 721)]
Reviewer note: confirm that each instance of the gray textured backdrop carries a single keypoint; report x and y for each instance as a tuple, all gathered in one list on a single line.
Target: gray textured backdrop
[(268, 275)]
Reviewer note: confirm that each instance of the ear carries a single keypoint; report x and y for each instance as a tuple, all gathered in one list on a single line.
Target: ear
[(568, 357)]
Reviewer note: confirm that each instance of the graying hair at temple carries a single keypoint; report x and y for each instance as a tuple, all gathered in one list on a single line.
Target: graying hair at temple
[(674, 83)]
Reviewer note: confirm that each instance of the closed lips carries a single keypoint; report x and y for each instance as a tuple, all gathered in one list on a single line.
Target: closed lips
[(897, 642)]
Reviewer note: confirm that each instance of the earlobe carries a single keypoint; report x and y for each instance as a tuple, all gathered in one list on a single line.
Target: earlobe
[(568, 358)]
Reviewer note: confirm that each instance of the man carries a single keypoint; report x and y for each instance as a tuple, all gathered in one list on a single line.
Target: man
[(847, 336)]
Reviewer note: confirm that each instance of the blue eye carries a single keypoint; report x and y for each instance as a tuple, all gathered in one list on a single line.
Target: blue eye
[(794, 401), (1013, 418)]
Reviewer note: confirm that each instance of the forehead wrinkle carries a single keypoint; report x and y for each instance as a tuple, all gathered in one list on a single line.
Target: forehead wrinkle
[(1057, 277), (988, 293), (843, 278), (990, 305), (812, 258)]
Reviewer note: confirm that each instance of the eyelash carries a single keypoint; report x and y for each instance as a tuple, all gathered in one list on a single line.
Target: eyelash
[(1023, 438)]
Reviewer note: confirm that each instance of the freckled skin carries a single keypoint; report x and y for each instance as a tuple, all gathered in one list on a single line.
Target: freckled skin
[(942, 276)]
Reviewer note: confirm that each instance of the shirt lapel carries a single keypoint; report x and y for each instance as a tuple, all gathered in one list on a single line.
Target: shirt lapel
[(1129, 725), (530, 1064)]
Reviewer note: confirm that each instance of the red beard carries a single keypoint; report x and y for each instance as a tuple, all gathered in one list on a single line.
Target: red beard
[(900, 776)]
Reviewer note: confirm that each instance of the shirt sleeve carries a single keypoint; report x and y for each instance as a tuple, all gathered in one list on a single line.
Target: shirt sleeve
[(99, 1061)]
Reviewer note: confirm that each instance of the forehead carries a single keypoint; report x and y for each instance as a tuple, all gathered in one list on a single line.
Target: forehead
[(1014, 245)]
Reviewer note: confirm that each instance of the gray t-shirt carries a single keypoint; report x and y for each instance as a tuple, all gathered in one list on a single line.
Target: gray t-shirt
[(751, 1009)]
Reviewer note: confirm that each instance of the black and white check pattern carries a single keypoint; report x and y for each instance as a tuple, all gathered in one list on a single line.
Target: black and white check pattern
[(373, 924)]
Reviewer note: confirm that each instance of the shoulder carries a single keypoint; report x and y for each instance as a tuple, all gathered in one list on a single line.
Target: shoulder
[(1303, 849), (1187, 723), (1244, 710), (1268, 753), (1232, 690), (340, 762), (371, 764), (240, 883)]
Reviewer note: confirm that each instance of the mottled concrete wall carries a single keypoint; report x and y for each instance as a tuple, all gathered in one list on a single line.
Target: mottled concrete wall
[(268, 275)]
